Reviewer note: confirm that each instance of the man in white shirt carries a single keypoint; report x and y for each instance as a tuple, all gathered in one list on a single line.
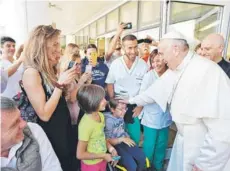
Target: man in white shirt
[(197, 92), (14, 68), (4, 79), (124, 80), (24, 147)]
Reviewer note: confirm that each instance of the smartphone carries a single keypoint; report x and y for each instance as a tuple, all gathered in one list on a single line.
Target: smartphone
[(88, 69), (115, 158), (140, 41), (71, 64), (128, 26), (147, 41), (93, 57)]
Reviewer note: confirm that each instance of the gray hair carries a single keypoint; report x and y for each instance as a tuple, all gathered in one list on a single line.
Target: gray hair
[(181, 43), (7, 103)]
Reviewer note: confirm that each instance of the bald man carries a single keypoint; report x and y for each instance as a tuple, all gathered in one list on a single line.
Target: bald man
[(212, 47)]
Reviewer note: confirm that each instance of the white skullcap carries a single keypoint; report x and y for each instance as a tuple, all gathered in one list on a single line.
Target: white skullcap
[(173, 35), (178, 35)]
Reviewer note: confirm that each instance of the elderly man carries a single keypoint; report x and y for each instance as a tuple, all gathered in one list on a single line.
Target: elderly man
[(212, 48), (196, 91), (24, 147)]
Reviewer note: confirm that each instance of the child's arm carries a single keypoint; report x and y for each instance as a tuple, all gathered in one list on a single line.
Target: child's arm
[(83, 154), (111, 149), (126, 140), (114, 141)]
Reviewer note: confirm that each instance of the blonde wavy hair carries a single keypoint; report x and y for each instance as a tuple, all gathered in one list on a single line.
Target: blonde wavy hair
[(35, 52), (69, 55)]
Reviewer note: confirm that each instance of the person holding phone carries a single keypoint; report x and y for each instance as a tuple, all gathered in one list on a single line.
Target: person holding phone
[(98, 69), (145, 47), (114, 50)]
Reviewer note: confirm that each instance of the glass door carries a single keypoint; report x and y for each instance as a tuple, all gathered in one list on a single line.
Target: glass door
[(194, 20)]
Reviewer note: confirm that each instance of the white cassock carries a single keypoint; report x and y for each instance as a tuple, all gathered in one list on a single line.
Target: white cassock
[(199, 93)]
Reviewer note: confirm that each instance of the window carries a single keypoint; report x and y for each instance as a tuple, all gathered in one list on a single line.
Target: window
[(70, 38), (149, 14), (92, 31), (101, 26), (194, 20), (63, 41), (112, 21), (86, 34), (129, 13), (81, 40)]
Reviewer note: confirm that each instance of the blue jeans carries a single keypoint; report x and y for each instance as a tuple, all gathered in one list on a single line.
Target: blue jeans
[(132, 158)]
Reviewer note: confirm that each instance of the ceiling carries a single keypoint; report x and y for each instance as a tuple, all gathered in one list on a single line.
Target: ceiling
[(72, 15)]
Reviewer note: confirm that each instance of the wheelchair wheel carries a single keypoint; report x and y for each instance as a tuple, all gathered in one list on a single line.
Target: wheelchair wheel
[(109, 167)]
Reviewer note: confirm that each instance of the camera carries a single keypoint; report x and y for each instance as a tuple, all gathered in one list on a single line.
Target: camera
[(71, 64), (144, 41), (128, 26)]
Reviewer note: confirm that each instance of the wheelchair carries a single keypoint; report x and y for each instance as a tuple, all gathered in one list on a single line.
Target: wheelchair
[(119, 167)]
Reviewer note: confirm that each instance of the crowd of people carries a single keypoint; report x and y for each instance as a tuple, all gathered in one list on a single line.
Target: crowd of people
[(68, 112)]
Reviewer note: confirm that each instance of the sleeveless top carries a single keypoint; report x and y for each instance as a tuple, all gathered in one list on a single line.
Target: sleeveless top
[(61, 134)]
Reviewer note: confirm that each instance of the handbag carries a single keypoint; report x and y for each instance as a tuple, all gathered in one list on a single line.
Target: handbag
[(26, 109)]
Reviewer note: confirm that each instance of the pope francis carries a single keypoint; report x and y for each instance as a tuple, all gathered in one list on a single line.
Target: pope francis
[(196, 91)]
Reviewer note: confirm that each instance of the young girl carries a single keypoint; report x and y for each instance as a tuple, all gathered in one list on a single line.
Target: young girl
[(156, 123), (132, 157), (92, 146)]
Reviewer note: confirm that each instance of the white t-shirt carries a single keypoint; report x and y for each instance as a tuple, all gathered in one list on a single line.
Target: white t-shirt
[(48, 156), (12, 87), (127, 82), (4, 79)]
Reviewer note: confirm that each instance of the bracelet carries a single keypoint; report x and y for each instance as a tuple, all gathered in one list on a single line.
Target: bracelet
[(61, 87), (111, 149)]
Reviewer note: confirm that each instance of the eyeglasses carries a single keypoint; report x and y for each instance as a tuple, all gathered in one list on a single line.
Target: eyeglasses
[(122, 110)]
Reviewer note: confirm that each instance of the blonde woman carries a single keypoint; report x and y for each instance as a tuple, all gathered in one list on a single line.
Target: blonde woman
[(44, 90), (70, 51)]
